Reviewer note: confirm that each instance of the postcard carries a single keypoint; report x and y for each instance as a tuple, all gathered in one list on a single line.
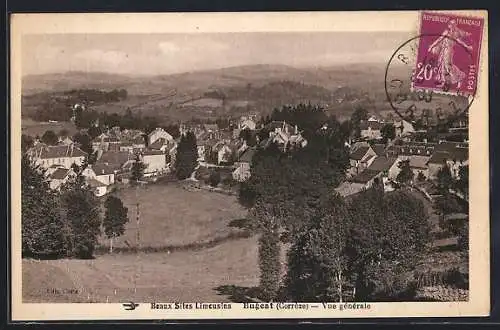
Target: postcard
[(298, 165)]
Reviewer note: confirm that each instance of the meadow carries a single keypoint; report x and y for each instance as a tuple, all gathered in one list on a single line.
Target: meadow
[(190, 269), (35, 128), (171, 216), (199, 275)]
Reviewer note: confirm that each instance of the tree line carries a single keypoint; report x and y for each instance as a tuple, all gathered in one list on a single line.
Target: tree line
[(65, 223)]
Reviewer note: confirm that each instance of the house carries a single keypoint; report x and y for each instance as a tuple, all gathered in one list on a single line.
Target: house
[(243, 164), (115, 159), (403, 128), (454, 154), (349, 188), (246, 123), (127, 147), (64, 155), (102, 172), (155, 162), (379, 149), (60, 176), (65, 140), (157, 134), (106, 142), (161, 144), (138, 142), (297, 140), (371, 130), (223, 151), (360, 158), (100, 189), (367, 178), (410, 149), (210, 127), (383, 165), (281, 126), (454, 159)]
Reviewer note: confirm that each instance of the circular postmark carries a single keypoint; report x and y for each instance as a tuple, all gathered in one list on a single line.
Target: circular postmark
[(423, 85)]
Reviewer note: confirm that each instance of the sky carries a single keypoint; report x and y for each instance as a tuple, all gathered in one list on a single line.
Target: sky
[(152, 54)]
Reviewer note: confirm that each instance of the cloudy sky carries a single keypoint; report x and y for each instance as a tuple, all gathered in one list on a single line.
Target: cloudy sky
[(141, 54)]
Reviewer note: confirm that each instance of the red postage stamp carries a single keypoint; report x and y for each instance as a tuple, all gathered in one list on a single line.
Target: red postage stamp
[(448, 53)]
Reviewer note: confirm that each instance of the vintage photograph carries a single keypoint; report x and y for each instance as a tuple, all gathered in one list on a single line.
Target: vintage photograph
[(281, 168)]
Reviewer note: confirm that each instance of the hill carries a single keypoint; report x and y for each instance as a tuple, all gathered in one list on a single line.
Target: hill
[(221, 92)]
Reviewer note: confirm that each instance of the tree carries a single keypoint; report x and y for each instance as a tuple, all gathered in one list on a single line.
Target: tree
[(26, 142), (269, 251), (115, 218), (214, 178), (447, 204), (82, 212), (388, 132), (359, 115), (63, 132), (50, 138), (317, 263), (138, 168), (42, 224), (186, 159), (94, 131), (388, 233), (84, 142), (245, 135), (405, 174), (444, 179), (173, 130), (421, 177), (463, 180)]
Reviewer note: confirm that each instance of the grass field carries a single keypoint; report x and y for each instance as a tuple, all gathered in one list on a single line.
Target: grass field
[(180, 276), (34, 128), (173, 216)]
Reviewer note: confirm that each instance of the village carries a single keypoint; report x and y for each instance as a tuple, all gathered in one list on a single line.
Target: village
[(116, 151), (387, 153), (231, 151)]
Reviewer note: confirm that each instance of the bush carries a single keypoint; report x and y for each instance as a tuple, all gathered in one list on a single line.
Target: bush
[(214, 179)]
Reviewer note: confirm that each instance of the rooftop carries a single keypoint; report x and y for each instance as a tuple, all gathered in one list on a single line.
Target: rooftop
[(60, 151), (60, 173), (247, 155), (359, 153), (379, 149), (382, 163), (365, 176)]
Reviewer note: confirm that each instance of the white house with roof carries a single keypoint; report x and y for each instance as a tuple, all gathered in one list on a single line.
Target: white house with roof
[(403, 128), (64, 155), (155, 162), (60, 176), (247, 122), (102, 172), (159, 133), (371, 129), (243, 164), (224, 152)]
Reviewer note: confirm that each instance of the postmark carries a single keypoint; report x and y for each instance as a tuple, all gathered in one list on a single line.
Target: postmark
[(431, 79)]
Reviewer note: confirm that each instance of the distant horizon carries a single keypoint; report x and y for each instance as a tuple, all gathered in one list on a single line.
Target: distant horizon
[(167, 54), (143, 75)]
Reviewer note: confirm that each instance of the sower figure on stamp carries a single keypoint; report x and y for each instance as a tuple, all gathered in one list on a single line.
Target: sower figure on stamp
[(448, 72)]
